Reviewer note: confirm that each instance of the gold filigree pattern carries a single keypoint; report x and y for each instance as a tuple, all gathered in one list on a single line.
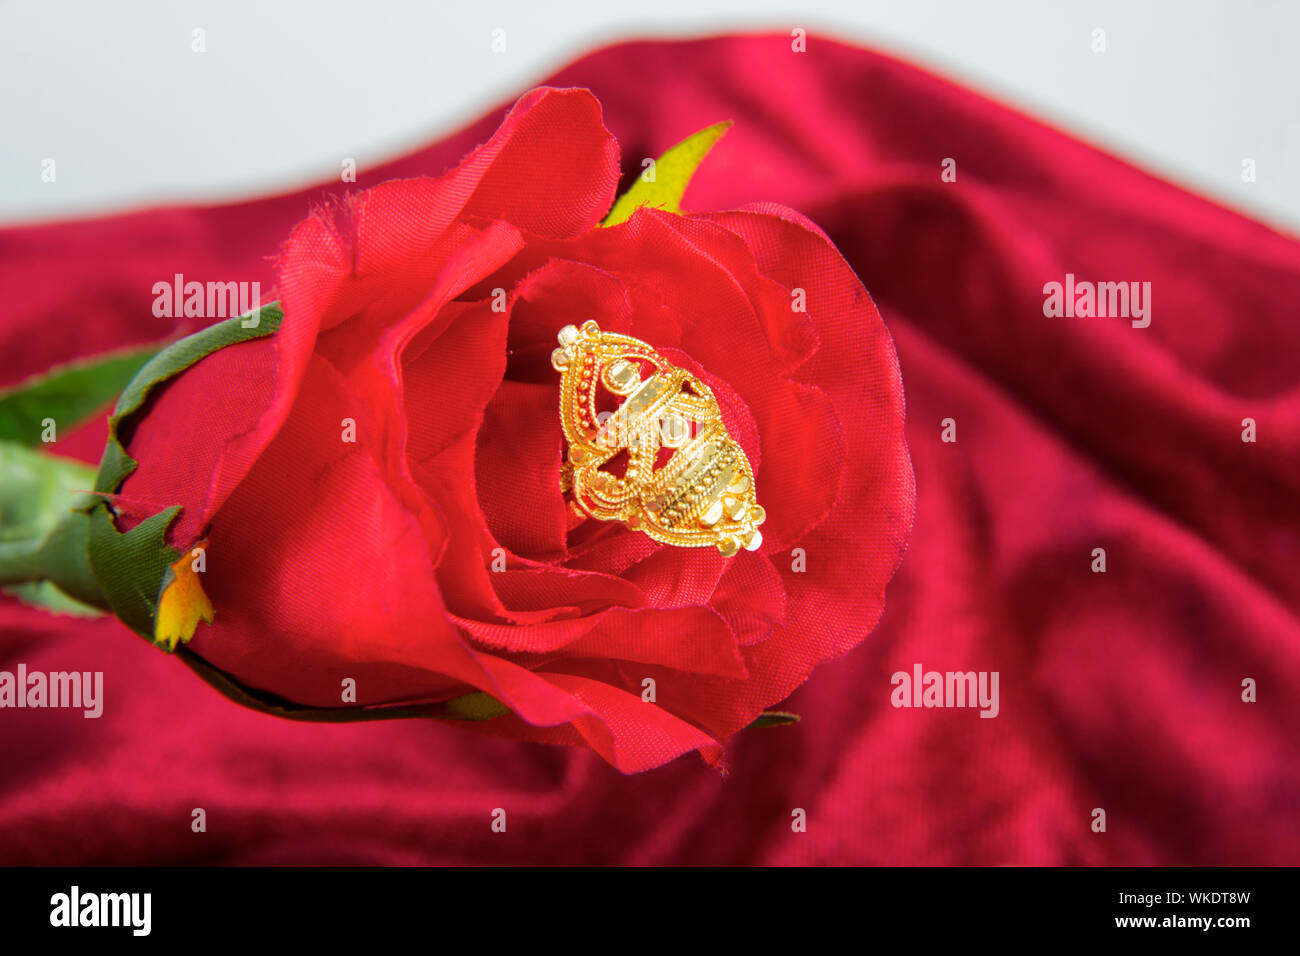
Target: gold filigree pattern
[(683, 481)]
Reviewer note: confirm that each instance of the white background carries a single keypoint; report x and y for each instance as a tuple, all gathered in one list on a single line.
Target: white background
[(112, 90)]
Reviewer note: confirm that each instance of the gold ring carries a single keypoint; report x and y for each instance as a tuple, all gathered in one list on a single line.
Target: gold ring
[(660, 461)]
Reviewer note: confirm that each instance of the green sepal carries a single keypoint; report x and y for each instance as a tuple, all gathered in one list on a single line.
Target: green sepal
[(474, 706), (68, 394), (773, 718), (478, 706), (673, 171), (176, 358), (131, 567)]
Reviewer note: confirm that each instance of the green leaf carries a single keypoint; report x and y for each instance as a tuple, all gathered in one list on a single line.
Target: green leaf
[(773, 718), (38, 495), (68, 394), (48, 595), (672, 174), (37, 490)]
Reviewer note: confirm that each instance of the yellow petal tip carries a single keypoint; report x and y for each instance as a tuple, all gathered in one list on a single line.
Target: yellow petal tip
[(182, 603)]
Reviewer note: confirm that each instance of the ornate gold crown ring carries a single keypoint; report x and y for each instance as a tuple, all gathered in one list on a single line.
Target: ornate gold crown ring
[(661, 462)]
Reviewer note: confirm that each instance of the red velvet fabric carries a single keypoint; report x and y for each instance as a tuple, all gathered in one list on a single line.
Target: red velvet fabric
[(1119, 691)]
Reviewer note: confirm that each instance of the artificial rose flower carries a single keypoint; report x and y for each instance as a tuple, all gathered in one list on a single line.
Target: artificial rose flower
[(376, 486)]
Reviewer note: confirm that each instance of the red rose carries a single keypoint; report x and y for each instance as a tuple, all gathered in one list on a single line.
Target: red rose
[(434, 556)]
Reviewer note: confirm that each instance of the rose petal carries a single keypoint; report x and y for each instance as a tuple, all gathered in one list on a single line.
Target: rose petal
[(626, 731), (517, 465)]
